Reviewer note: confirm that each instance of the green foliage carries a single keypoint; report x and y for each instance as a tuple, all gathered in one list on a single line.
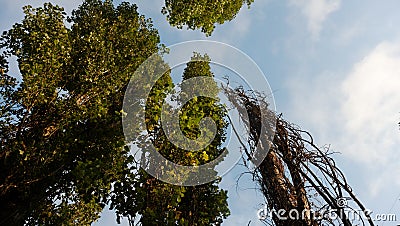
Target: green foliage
[(159, 203), (202, 14), (62, 145), (7, 105), (63, 154)]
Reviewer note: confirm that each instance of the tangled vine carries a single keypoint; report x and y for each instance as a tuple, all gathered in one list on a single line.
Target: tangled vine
[(295, 175)]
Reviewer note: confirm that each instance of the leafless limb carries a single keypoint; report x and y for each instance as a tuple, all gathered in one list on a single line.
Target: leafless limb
[(294, 174)]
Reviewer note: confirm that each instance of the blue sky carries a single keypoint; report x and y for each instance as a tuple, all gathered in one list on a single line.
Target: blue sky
[(334, 68)]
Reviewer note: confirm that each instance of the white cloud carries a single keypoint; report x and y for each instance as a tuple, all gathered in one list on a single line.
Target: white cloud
[(372, 105), (358, 114), (316, 12)]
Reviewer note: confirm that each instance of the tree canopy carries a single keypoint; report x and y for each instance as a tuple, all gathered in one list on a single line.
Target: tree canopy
[(62, 142), (63, 153), (202, 14), (161, 203)]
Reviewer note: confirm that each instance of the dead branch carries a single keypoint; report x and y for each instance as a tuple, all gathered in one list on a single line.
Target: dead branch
[(295, 174)]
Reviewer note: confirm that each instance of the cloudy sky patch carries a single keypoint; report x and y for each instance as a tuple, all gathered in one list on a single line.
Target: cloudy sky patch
[(316, 12), (334, 68)]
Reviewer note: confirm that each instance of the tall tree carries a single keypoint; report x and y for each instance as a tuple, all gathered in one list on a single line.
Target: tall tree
[(202, 14), (62, 145), (160, 203)]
